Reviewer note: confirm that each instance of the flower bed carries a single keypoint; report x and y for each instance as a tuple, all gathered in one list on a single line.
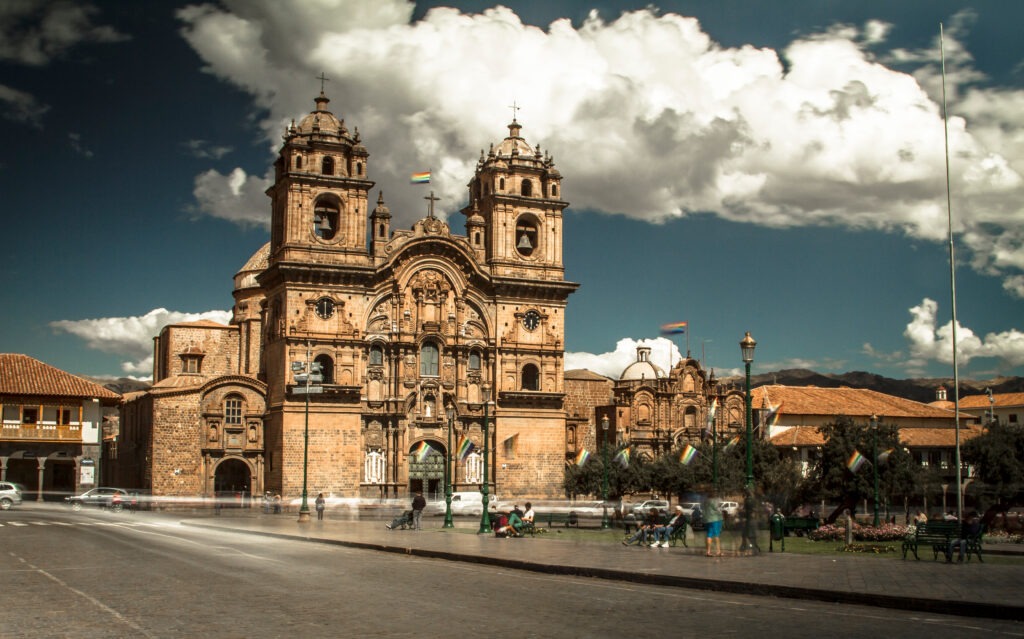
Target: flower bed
[(871, 534), (1003, 537)]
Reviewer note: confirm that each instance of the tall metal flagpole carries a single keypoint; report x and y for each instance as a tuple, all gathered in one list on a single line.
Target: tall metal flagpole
[(952, 287)]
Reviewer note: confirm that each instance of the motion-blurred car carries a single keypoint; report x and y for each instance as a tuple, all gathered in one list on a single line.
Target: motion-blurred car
[(649, 505), (689, 507), (730, 508), (113, 498), (10, 494)]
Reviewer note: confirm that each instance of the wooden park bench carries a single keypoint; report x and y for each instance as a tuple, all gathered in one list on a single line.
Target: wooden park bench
[(800, 525), (936, 534), (550, 519)]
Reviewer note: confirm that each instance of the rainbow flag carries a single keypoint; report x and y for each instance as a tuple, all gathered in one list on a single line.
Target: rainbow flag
[(856, 461), (582, 456), (622, 457), (421, 451), (771, 418), (732, 442), (685, 457), (675, 328), (465, 448), (883, 456), (423, 177)]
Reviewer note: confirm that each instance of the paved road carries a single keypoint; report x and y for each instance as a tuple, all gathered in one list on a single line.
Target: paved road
[(98, 574)]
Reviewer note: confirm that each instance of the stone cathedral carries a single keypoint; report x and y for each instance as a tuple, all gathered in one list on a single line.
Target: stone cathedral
[(426, 338)]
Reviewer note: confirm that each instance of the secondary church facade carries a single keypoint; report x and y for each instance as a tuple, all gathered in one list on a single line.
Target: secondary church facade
[(427, 340)]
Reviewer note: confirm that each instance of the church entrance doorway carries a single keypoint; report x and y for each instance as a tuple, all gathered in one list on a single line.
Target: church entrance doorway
[(231, 483), (426, 470)]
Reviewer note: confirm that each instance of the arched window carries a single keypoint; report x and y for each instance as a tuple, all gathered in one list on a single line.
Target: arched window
[(374, 468), (526, 236), (298, 161), (554, 191), (474, 361), (327, 167), (429, 359), (526, 188), (376, 355), (531, 378), (233, 410), (501, 184), (326, 367), (381, 230), (326, 214), (359, 168)]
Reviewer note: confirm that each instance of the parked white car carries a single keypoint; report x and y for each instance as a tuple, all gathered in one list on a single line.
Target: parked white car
[(730, 508), (10, 494)]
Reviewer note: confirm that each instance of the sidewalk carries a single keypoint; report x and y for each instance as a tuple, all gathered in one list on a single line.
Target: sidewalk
[(971, 589)]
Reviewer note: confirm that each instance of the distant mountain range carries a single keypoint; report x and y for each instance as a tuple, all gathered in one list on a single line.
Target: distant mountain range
[(919, 390)]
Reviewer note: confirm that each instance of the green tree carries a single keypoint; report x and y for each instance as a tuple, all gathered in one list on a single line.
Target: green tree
[(998, 459)]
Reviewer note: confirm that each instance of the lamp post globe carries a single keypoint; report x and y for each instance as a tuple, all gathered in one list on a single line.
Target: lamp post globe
[(605, 524), (747, 345)]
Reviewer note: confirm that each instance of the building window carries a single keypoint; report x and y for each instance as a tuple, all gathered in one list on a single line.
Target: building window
[(327, 167), (325, 219), (191, 364), (474, 361), (429, 359), (1012, 418), (359, 168), (374, 468), (554, 191), (376, 356), (474, 468), (298, 161), (233, 411), (326, 367), (526, 237), (64, 416), (501, 184), (531, 378), (526, 188), (29, 415)]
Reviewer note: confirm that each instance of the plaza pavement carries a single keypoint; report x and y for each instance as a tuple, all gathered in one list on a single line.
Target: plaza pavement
[(971, 589)]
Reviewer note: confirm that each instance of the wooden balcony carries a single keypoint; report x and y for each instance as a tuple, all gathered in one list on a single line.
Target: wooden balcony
[(40, 433)]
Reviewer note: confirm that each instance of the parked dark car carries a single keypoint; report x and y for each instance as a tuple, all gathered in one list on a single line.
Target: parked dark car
[(113, 498)]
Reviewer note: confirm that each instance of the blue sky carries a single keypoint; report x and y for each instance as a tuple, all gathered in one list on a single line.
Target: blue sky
[(772, 167)]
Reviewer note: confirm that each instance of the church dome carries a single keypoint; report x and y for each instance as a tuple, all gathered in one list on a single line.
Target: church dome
[(246, 276), (643, 368), (320, 121)]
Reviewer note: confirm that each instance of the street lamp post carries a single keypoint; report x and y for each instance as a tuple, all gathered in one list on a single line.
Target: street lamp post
[(485, 516), (714, 437), (747, 345), (605, 524), (448, 523), (874, 461), (309, 371)]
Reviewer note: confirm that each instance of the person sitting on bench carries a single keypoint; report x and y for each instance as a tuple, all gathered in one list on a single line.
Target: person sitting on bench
[(968, 530), (665, 532)]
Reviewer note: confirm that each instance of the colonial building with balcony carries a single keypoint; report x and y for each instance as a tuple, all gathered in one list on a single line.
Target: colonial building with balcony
[(52, 427)]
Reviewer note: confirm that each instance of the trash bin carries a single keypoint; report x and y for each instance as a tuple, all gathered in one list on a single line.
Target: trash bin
[(777, 527)]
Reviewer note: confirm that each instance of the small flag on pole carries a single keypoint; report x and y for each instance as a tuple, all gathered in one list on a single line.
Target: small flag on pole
[(465, 448), (732, 442), (685, 457), (711, 412), (582, 456), (856, 461), (883, 456), (675, 328), (622, 457), (423, 177), (771, 418)]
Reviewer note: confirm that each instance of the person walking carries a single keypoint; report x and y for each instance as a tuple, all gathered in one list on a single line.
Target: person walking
[(418, 504), (713, 523), (320, 504)]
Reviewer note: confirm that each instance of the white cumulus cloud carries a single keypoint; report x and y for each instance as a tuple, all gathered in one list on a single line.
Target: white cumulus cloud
[(664, 354), (931, 342), (132, 336), (645, 115)]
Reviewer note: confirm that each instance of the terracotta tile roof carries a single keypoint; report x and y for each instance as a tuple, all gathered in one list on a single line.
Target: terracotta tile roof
[(23, 375), (203, 323), (584, 374), (915, 437), (1001, 400), (852, 402)]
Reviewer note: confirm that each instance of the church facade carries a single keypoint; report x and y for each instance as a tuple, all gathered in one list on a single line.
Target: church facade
[(427, 340)]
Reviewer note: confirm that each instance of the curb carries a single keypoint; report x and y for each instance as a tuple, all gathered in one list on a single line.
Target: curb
[(916, 604)]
